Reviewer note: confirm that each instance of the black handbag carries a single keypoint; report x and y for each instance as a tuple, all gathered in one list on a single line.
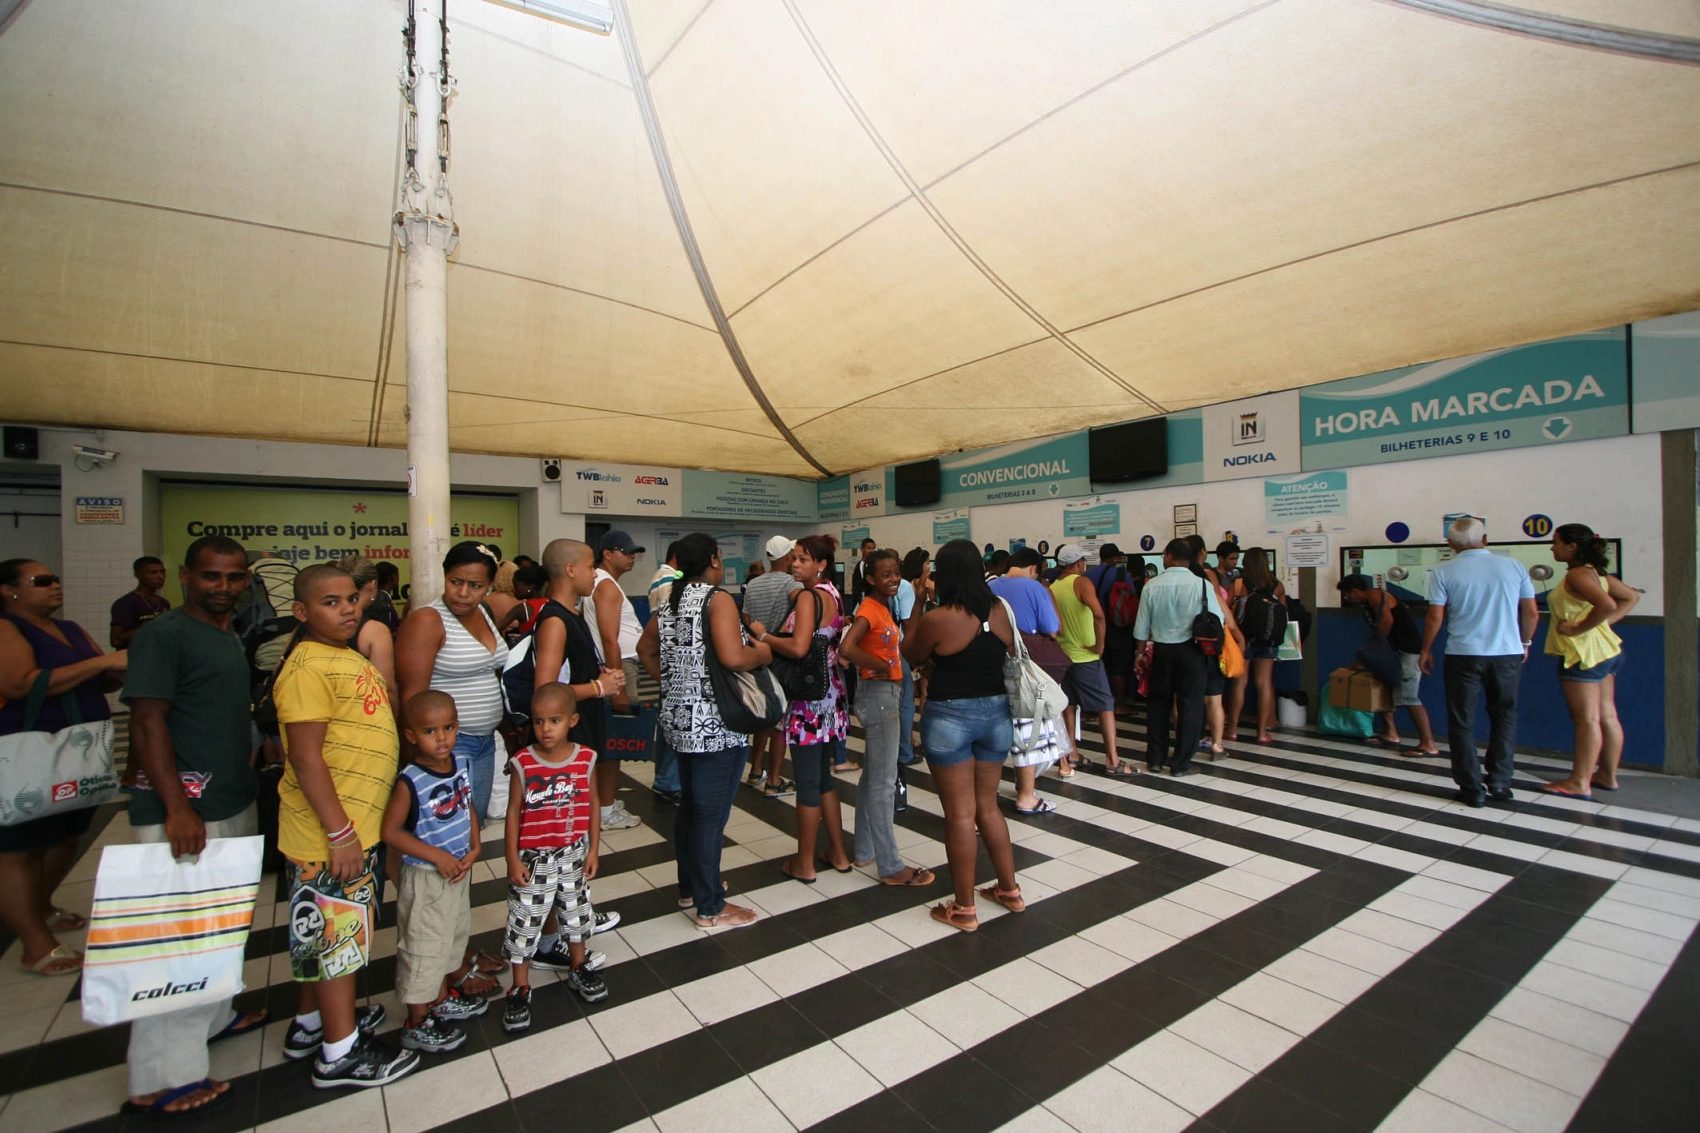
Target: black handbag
[(1206, 627), (1380, 658), (809, 677), (749, 701)]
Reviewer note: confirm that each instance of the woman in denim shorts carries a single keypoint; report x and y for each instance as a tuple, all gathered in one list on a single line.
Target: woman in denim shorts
[(966, 725), (1584, 606)]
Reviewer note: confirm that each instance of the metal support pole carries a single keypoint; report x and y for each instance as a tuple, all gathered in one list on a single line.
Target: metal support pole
[(427, 232)]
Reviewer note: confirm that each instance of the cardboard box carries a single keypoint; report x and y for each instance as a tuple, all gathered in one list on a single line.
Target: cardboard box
[(1356, 688)]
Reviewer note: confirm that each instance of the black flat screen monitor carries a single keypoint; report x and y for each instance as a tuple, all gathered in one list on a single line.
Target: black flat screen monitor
[(917, 484), (1135, 450)]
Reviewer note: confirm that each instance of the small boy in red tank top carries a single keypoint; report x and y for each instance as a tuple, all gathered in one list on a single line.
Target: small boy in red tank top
[(553, 830)]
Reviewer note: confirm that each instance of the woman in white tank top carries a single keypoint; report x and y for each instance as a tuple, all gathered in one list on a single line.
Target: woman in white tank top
[(452, 646)]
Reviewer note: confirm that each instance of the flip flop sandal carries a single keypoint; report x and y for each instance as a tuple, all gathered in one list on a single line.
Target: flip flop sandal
[(494, 990), (1046, 806), (785, 868), (1008, 898), (957, 917), (1215, 750), (488, 965), (1122, 770), (918, 878), (64, 920), (1596, 785), (833, 868), (63, 952), (780, 789), (238, 1027), (1064, 771), (156, 1108), (1555, 789)]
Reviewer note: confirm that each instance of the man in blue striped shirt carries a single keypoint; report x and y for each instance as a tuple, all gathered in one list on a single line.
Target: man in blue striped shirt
[(1167, 606)]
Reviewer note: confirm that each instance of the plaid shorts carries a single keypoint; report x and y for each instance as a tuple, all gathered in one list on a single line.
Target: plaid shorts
[(557, 882), (331, 921)]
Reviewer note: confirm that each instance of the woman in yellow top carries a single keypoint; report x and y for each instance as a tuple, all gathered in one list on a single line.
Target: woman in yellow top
[(1584, 605)]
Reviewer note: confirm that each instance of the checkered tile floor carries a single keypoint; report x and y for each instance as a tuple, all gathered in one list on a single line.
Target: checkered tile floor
[(1306, 936)]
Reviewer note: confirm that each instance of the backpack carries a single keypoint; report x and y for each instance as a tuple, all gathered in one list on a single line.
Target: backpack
[(1263, 619), (519, 679), (1121, 607), (1207, 632)]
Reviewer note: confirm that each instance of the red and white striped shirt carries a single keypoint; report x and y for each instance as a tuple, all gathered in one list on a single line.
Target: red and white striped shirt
[(556, 800)]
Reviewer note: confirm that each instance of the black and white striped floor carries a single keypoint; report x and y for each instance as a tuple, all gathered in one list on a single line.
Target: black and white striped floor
[(1307, 936)]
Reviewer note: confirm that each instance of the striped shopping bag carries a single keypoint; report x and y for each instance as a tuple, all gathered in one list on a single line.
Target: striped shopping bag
[(168, 934)]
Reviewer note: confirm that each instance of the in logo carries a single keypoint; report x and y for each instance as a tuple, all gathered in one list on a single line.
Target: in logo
[(1248, 429), (598, 498)]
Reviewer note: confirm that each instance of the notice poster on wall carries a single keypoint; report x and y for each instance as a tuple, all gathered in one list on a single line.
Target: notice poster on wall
[(732, 495), (1565, 389), (309, 526), (948, 525), (1311, 504), (1092, 517), (852, 537)]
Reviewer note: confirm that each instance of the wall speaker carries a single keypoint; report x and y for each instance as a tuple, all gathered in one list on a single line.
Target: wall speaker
[(22, 443), (551, 470)]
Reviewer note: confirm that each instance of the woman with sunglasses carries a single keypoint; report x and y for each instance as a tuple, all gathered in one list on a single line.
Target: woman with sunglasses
[(35, 856)]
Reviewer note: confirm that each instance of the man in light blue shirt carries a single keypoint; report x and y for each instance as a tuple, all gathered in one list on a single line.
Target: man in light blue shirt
[(1487, 604), (1167, 606)]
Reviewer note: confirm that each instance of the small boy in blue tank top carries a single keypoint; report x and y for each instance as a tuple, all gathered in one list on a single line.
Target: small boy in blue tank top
[(431, 821)]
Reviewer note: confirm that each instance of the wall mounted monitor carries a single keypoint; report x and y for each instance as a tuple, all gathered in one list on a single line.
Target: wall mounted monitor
[(1134, 450), (918, 484)]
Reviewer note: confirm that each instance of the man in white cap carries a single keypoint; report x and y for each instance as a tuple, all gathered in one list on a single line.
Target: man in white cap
[(767, 599)]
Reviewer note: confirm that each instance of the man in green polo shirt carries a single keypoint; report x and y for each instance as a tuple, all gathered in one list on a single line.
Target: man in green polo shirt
[(188, 692)]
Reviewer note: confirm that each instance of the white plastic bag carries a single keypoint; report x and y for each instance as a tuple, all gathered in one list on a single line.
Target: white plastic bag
[(168, 934)]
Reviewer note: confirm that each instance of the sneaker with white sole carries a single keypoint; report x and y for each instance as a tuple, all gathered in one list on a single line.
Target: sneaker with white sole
[(299, 1042), (560, 959), (369, 1064), (604, 922), (458, 1006), (516, 1013), (435, 1035), (587, 985), (619, 818)]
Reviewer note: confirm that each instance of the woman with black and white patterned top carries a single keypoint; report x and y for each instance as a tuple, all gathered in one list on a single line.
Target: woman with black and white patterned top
[(711, 756)]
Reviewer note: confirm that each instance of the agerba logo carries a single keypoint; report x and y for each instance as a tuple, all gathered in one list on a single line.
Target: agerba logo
[(166, 989), (592, 474), (661, 480)]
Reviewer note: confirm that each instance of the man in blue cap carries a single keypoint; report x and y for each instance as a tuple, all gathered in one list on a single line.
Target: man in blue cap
[(614, 619)]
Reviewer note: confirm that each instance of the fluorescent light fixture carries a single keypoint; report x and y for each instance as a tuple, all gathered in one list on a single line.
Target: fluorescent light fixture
[(574, 13)]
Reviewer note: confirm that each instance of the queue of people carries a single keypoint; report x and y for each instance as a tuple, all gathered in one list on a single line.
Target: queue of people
[(392, 732)]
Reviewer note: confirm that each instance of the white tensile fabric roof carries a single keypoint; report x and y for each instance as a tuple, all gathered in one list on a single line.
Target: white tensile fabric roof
[(931, 224)]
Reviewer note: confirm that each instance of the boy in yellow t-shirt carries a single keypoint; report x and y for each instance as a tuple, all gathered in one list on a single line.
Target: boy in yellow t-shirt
[(339, 739)]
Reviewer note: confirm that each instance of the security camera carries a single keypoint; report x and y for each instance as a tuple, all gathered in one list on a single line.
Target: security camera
[(98, 455)]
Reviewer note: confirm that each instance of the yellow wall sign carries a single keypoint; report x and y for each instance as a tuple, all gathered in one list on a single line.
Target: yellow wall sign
[(307, 526)]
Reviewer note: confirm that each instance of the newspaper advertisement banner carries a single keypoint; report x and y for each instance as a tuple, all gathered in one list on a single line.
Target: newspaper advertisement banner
[(620, 489)]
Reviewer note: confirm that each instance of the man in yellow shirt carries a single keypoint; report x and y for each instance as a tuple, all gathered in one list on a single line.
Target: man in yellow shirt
[(1082, 639), (340, 742)]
